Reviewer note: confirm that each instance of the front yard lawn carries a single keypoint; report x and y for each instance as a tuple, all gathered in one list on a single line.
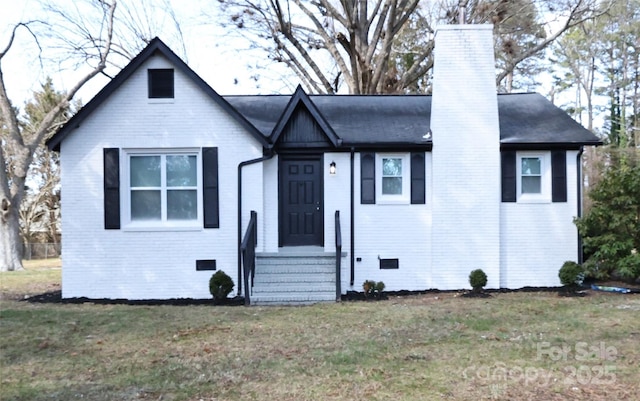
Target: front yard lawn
[(512, 346)]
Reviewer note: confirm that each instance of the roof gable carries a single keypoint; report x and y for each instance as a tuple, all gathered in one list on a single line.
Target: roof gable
[(302, 125), (155, 46)]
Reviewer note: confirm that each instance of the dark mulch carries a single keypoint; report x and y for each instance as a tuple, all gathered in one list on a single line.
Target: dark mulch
[(56, 297)]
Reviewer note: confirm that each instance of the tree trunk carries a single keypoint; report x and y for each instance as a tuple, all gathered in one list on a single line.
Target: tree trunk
[(10, 245)]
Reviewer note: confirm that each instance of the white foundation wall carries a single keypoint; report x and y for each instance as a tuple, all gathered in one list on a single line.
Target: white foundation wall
[(537, 238), (466, 158), (392, 231), (99, 263)]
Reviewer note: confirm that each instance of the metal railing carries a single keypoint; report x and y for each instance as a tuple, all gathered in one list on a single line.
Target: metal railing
[(248, 250), (338, 257)]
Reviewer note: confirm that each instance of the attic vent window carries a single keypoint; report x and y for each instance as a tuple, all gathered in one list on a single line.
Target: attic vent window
[(160, 83)]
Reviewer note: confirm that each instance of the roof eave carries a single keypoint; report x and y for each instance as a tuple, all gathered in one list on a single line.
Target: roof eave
[(547, 145)]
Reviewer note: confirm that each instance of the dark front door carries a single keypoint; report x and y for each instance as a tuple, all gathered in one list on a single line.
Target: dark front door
[(301, 209)]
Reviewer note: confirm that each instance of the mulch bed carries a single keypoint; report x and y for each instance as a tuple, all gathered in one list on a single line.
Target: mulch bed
[(350, 296), (55, 297)]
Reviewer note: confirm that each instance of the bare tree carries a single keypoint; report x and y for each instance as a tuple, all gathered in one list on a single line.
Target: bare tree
[(356, 35), (88, 36), (40, 208), (18, 144), (327, 43)]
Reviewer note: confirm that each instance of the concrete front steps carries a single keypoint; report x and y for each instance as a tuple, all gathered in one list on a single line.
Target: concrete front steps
[(294, 276)]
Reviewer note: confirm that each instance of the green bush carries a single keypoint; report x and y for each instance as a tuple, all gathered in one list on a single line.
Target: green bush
[(477, 279), (610, 229), (372, 288), (571, 274), (629, 267), (220, 285)]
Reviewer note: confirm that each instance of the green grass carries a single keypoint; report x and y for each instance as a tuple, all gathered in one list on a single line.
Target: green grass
[(38, 276), (429, 347)]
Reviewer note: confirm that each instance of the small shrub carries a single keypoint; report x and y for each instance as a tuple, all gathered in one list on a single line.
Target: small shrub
[(571, 274), (477, 279), (369, 287), (372, 288), (220, 285)]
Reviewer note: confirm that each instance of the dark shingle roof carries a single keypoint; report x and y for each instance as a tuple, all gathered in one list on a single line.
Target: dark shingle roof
[(356, 119), (526, 119), (529, 118)]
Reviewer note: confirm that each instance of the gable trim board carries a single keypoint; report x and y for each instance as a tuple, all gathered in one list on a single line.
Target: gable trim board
[(459, 207)]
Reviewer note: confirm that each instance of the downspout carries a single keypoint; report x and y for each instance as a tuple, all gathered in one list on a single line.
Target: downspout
[(579, 193), (268, 156), (352, 219)]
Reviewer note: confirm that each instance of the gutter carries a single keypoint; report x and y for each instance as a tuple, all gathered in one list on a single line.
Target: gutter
[(266, 157), (352, 219), (579, 206)]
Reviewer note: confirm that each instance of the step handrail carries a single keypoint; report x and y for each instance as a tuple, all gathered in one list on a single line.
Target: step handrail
[(248, 250), (338, 257)]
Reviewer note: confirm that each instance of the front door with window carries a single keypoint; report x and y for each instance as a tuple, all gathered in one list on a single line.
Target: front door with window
[(301, 208)]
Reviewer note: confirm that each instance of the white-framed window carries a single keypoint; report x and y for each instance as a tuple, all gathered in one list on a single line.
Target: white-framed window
[(534, 176), (161, 189), (393, 174)]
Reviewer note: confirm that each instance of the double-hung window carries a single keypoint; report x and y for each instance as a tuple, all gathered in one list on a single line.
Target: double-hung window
[(394, 175), (531, 168), (533, 172), (163, 189)]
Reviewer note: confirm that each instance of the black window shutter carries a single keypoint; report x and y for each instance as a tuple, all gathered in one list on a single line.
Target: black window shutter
[(368, 178), (210, 188), (417, 178), (111, 188), (558, 176), (509, 177)]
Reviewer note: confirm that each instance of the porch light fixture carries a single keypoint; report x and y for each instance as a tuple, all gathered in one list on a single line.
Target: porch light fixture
[(332, 168)]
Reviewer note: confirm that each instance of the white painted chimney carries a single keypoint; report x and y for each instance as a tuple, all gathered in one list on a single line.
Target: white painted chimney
[(466, 157)]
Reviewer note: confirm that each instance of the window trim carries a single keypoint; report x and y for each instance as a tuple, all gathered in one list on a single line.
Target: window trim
[(545, 178), (163, 225), (405, 197)]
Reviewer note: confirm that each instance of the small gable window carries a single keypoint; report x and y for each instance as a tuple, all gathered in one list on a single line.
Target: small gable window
[(161, 83)]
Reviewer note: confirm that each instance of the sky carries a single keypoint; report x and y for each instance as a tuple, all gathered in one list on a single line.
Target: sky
[(220, 60)]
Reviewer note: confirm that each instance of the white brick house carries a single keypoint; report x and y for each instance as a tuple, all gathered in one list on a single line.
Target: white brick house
[(160, 175)]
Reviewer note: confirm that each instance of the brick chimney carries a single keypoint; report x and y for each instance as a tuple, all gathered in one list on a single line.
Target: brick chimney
[(466, 157)]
